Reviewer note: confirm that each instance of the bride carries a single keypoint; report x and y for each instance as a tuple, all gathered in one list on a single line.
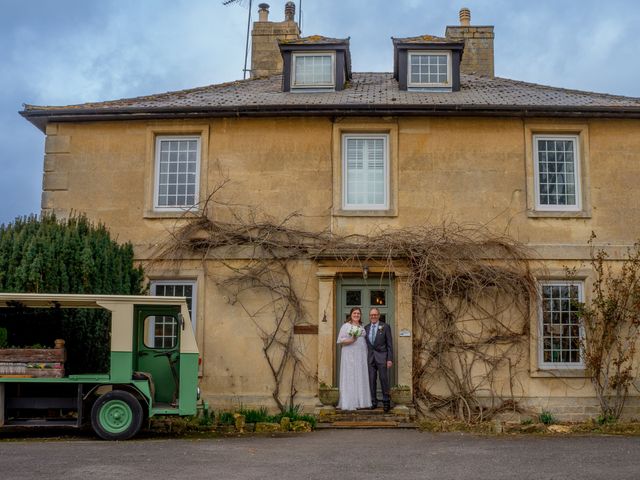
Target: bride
[(354, 373)]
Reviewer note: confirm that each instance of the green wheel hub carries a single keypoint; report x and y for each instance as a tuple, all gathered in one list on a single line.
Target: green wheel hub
[(115, 416)]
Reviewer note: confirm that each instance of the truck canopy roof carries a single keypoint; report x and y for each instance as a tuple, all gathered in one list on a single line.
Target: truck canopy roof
[(55, 300)]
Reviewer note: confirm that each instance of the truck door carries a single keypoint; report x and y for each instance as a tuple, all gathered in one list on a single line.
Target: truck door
[(158, 350)]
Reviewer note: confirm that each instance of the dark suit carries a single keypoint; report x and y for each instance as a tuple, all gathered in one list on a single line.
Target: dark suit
[(379, 353)]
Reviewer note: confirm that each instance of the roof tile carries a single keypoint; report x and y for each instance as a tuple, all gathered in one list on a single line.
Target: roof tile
[(365, 89)]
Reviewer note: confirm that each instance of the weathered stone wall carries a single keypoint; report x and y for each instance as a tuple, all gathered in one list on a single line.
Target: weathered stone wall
[(448, 169), (477, 58), (265, 53)]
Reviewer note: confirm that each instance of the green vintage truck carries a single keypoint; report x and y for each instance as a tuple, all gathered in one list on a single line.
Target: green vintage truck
[(153, 369)]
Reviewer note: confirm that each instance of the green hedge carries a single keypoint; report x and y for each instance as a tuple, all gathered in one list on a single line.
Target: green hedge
[(50, 255)]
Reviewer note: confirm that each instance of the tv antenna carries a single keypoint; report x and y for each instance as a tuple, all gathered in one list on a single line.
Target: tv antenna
[(249, 3), (246, 45)]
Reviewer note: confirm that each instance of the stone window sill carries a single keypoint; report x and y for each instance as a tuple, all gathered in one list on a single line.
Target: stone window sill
[(151, 214), (557, 214), (365, 213), (560, 373)]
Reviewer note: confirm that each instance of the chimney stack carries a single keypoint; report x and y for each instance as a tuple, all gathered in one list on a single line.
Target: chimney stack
[(477, 58), (266, 59)]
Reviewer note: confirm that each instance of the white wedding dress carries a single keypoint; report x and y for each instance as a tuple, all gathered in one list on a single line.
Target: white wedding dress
[(354, 373)]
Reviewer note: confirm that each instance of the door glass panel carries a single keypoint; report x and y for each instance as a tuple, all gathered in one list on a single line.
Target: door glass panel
[(354, 298), (383, 318), (160, 331), (378, 297)]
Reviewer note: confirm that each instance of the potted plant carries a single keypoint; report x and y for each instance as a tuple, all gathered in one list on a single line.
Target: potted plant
[(328, 396), (401, 395)]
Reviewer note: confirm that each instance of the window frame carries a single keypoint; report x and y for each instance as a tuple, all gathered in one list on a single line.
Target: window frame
[(182, 282), (306, 87), (345, 176), (446, 53), (156, 183), (577, 161), (542, 365)]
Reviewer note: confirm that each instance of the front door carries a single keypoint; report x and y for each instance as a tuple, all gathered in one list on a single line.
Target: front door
[(158, 350), (376, 291)]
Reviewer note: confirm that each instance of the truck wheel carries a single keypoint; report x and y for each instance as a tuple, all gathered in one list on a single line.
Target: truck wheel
[(116, 415)]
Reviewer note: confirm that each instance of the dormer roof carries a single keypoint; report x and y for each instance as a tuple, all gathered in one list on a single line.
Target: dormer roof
[(339, 47), (421, 39), (316, 40)]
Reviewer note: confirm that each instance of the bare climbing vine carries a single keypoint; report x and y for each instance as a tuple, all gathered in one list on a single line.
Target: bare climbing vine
[(612, 328), (472, 291)]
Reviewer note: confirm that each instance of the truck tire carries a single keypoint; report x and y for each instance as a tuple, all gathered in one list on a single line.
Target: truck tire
[(116, 415)]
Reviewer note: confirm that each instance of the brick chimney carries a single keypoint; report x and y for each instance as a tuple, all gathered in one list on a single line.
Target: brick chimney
[(265, 53), (477, 58)]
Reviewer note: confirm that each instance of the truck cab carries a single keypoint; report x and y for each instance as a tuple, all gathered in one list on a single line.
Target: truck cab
[(153, 368)]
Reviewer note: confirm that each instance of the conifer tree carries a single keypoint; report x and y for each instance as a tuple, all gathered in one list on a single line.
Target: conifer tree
[(51, 255)]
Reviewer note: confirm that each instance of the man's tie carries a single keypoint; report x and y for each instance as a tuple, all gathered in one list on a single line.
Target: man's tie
[(372, 333)]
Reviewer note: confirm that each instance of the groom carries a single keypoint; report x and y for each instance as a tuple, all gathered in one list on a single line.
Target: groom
[(380, 357)]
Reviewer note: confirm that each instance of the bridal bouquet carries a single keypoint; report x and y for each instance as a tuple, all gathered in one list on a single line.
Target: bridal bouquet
[(356, 331)]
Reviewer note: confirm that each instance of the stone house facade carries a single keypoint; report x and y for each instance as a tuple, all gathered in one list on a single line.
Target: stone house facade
[(440, 139)]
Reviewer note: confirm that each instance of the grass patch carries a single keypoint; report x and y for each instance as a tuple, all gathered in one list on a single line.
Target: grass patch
[(528, 427)]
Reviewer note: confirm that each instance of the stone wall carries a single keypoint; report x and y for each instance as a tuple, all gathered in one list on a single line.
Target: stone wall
[(448, 169), (265, 52), (477, 58)]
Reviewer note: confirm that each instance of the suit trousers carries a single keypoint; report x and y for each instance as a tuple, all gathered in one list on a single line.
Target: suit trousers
[(378, 370)]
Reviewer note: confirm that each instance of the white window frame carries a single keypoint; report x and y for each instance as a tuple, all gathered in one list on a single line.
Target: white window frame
[(156, 186), (576, 170), (446, 53), (294, 59), (345, 173), (558, 365), (194, 300)]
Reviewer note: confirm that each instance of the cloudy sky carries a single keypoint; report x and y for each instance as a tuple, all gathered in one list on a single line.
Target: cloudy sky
[(57, 52)]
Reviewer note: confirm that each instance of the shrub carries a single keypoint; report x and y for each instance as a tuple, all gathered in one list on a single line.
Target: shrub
[(226, 418), (546, 417), (612, 327), (3, 337), (294, 413), (309, 418), (606, 419), (254, 416), (207, 418)]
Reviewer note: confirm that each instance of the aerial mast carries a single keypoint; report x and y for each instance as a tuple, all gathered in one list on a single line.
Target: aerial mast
[(246, 45)]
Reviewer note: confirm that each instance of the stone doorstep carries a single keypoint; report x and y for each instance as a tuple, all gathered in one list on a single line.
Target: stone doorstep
[(383, 417), (365, 425), (377, 418)]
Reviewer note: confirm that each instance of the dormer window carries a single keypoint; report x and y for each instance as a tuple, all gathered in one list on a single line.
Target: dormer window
[(427, 63), (315, 64), (313, 70), (429, 69)]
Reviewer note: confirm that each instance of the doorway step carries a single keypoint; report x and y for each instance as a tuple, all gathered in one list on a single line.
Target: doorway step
[(339, 419)]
